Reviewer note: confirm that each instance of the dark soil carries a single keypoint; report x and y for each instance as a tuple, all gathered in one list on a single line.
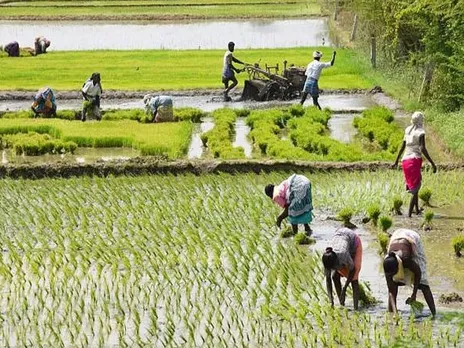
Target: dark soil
[(154, 165), (116, 94)]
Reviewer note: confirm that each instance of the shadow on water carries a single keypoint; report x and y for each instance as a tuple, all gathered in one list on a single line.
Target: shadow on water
[(87, 35)]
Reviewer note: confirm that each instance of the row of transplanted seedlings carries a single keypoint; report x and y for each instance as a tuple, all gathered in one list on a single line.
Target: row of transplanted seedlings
[(167, 261)]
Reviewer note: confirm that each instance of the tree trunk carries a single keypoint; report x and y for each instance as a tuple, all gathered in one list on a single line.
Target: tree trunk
[(373, 52), (336, 10), (425, 87), (355, 27)]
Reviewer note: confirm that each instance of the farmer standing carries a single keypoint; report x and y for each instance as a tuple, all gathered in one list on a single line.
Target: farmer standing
[(294, 196), (414, 143), (92, 91), (228, 71), (160, 107), (313, 72), (343, 259), (405, 264)]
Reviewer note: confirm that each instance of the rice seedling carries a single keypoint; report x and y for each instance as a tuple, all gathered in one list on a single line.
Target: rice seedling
[(425, 195), (345, 216), (287, 232), (458, 245), (427, 223), (396, 205), (383, 239), (385, 223), (373, 213), (302, 239)]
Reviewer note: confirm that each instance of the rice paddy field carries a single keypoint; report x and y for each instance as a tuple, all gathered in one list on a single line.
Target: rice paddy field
[(165, 69), (160, 10), (170, 261)]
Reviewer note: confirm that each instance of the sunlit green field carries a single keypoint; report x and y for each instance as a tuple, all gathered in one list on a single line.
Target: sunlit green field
[(167, 70), (179, 9), (182, 261)]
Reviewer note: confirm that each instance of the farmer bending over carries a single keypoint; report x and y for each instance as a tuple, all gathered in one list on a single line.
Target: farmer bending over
[(228, 70), (40, 45), (92, 91), (343, 258), (405, 264), (160, 107), (294, 196), (12, 49), (313, 72), (44, 103)]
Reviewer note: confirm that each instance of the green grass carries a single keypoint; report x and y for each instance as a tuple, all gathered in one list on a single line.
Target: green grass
[(166, 70), (164, 139), (162, 10), (450, 127), (159, 261)]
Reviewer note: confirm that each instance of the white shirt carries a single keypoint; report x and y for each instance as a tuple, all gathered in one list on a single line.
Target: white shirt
[(413, 149), (91, 89), (226, 70), (314, 69)]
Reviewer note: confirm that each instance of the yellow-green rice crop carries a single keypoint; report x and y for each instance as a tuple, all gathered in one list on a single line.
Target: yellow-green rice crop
[(164, 139)]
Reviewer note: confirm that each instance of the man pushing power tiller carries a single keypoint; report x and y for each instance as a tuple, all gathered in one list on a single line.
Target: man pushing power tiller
[(313, 72), (228, 70)]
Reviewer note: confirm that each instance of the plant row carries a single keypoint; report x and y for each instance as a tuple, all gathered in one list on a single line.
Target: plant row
[(219, 139)]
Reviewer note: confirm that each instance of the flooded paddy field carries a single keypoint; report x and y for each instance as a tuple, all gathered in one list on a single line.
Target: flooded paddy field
[(130, 260), (171, 35)]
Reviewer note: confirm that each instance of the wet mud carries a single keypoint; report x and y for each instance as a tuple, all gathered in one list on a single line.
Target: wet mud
[(155, 165)]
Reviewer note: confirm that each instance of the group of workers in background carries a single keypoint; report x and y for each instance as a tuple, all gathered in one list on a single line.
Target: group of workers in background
[(41, 44), (160, 107), (405, 261)]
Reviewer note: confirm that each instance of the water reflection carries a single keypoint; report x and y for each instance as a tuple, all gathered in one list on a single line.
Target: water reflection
[(86, 35)]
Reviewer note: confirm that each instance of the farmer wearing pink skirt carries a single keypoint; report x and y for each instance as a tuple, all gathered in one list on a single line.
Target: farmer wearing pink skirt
[(414, 144)]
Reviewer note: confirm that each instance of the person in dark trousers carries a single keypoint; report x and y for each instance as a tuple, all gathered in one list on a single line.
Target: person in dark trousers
[(414, 144), (12, 49), (92, 91), (313, 72), (405, 264), (229, 70)]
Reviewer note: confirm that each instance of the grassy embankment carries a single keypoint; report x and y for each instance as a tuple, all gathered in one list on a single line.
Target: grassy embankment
[(111, 254), (167, 70), (163, 10), (165, 139)]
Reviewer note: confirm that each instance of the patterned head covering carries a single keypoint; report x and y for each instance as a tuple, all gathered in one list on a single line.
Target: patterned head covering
[(417, 121), (317, 54)]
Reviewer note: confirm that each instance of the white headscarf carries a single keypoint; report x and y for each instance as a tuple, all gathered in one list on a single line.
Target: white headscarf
[(146, 98), (317, 54), (417, 121)]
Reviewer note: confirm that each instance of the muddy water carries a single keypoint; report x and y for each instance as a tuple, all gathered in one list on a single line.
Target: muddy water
[(337, 102), (341, 127), (241, 133), (82, 155), (86, 35), (196, 148)]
